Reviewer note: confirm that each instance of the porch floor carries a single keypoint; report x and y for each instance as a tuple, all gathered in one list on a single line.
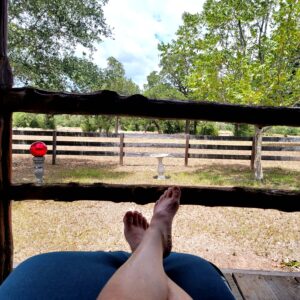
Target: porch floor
[(263, 285)]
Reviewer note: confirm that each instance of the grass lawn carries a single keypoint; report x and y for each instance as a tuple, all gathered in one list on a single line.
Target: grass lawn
[(213, 175)]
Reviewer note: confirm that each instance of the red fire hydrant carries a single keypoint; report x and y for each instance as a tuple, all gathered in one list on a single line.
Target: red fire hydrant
[(38, 150)]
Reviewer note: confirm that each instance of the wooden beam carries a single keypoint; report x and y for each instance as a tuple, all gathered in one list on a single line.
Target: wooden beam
[(143, 194), (110, 103), (6, 82), (6, 78)]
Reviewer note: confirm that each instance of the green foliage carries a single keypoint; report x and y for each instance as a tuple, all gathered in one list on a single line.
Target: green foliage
[(44, 34), (88, 124), (68, 120), (97, 123), (243, 130), (48, 122), (114, 79), (158, 88), (172, 126), (284, 130), (21, 119), (291, 264), (207, 128), (238, 51)]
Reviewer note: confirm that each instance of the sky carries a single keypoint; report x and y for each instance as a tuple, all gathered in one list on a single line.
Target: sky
[(138, 26)]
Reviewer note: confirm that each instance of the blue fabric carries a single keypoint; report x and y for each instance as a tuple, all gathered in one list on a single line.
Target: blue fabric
[(81, 275)]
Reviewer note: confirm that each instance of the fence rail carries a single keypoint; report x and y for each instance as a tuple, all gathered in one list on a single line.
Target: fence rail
[(285, 144)]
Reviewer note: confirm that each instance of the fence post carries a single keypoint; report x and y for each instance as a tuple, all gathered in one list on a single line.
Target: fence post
[(253, 150), (186, 156), (54, 147), (121, 148)]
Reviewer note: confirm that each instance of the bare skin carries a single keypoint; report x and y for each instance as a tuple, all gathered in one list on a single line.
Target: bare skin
[(143, 276)]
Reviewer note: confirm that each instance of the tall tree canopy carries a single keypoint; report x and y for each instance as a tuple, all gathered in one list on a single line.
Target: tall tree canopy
[(44, 35), (238, 51)]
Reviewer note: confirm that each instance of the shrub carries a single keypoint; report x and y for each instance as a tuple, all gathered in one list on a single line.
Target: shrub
[(208, 128), (48, 122), (243, 130), (170, 127), (21, 119), (88, 124)]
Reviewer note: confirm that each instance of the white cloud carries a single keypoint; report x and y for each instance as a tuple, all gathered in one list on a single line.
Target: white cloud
[(138, 26)]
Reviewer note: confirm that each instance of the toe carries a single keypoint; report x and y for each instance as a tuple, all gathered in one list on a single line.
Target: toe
[(128, 218), (140, 219), (169, 192), (145, 223), (135, 218), (164, 195), (176, 192)]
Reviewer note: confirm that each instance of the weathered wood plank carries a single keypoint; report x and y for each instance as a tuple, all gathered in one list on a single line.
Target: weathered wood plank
[(262, 272), (63, 133), (281, 158), (220, 156), (234, 288), (6, 244), (160, 145), (69, 143), (155, 136), (143, 194), (262, 286), (254, 287), (284, 287), (221, 147), (153, 145), (6, 82), (28, 99)]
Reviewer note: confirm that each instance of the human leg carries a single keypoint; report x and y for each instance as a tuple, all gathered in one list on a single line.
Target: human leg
[(143, 276)]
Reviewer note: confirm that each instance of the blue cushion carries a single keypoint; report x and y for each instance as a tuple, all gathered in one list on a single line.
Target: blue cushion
[(81, 275)]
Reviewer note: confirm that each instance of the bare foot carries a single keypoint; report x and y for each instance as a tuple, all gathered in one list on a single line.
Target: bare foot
[(135, 225), (164, 211)]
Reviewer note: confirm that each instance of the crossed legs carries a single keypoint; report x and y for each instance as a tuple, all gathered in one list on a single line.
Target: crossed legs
[(142, 276)]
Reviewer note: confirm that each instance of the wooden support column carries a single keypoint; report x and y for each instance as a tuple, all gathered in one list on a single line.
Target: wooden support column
[(6, 82)]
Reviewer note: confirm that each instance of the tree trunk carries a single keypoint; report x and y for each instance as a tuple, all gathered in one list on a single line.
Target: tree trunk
[(157, 126), (117, 124), (257, 167), (236, 129), (187, 126), (195, 127)]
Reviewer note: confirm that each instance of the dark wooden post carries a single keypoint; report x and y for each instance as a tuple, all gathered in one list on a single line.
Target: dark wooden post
[(6, 82), (54, 136), (187, 145), (121, 148)]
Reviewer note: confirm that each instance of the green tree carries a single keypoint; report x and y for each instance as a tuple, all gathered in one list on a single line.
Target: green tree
[(241, 51), (116, 80), (157, 87), (42, 34), (44, 39), (177, 58)]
